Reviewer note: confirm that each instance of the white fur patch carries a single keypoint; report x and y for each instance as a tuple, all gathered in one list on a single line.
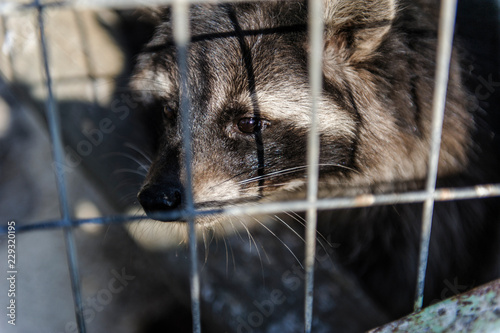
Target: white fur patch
[(297, 108), (158, 83), (207, 190)]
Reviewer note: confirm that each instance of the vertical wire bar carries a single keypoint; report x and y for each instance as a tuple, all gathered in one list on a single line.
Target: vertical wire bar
[(445, 42), (181, 38), (315, 30), (58, 156)]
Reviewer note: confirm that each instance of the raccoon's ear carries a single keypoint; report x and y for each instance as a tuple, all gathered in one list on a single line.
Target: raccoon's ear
[(357, 27), (153, 15)]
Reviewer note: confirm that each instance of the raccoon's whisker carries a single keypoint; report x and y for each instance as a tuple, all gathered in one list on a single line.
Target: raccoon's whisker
[(138, 150), (251, 240), (281, 241), (296, 217), (132, 171), (298, 235), (338, 166), (128, 198), (302, 221), (282, 184), (228, 179), (205, 243), (227, 254), (259, 254), (230, 247), (250, 237), (136, 211), (128, 182), (272, 174), (236, 230), (271, 185), (291, 170), (255, 169), (123, 184), (141, 164), (290, 228)]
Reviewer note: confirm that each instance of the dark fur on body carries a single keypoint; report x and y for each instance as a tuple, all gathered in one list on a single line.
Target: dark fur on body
[(248, 62)]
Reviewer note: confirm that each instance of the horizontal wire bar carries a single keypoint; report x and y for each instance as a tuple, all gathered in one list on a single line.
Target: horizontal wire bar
[(365, 200), (57, 224)]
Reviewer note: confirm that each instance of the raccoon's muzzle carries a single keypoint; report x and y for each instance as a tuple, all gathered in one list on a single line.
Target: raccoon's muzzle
[(158, 199)]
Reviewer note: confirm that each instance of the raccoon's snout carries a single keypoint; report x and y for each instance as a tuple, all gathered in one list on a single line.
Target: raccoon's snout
[(157, 198)]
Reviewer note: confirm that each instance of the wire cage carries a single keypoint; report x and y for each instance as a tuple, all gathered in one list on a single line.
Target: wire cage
[(51, 53)]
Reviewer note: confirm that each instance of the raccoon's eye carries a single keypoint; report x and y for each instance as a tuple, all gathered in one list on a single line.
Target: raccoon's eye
[(251, 125)]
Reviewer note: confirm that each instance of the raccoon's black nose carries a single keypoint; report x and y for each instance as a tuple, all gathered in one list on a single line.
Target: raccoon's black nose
[(156, 199)]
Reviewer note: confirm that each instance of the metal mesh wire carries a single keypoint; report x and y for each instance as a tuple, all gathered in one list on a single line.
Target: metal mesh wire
[(311, 205)]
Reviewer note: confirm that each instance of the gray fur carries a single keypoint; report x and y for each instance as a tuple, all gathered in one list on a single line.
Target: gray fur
[(250, 61)]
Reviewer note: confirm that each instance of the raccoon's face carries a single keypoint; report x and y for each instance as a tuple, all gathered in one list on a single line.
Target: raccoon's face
[(250, 104)]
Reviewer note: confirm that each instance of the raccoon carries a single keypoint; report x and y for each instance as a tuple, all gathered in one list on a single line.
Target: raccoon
[(250, 116)]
